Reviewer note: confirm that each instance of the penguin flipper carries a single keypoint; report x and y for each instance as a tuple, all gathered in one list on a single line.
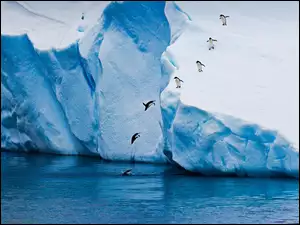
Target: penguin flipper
[(145, 106)]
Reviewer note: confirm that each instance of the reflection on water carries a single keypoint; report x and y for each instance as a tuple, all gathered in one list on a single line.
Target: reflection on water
[(58, 189)]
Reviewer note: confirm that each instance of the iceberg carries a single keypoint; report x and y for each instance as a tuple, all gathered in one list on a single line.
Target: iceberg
[(84, 95)]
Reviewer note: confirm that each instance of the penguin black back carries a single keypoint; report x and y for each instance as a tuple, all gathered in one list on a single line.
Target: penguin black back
[(134, 137), (127, 172), (148, 104), (177, 78)]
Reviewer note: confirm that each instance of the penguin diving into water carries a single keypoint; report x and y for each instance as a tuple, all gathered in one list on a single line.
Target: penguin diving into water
[(199, 65), (223, 18), (148, 104), (127, 172), (178, 82), (134, 137), (211, 44)]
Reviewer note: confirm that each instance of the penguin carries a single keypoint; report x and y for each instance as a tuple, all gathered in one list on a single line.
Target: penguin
[(127, 172), (211, 44), (82, 16), (134, 137), (223, 18), (148, 104), (178, 82), (199, 65)]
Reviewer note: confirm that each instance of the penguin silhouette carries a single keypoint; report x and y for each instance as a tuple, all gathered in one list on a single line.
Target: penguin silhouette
[(199, 65), (178, 82), (127, 172), (148, 104), (223, 18), (211, 44), (134, 137)]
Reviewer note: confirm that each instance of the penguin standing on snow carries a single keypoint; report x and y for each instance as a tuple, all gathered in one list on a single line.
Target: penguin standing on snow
[(211, 43), (199, 65), (223, 18), (82, 16), (178, 82)]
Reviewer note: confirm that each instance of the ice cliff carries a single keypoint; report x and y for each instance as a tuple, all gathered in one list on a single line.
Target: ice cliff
[(87, 98)]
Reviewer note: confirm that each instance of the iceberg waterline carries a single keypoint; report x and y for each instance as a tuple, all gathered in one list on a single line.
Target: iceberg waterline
[(87, 99)]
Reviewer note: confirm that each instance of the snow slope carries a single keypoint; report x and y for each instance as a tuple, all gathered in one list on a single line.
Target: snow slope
[(44, 22), (208, 141), (77, 87), (253, 73)]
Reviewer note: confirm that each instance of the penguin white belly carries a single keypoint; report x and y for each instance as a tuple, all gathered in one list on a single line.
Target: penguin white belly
[(199, 67), (223, 20), (177, 83)]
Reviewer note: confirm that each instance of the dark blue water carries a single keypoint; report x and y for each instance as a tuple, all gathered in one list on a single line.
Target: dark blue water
[(56, 189)]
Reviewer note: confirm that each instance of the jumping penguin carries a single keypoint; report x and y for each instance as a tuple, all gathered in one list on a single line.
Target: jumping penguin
[(223, 18), (199, 65), (178, 82), (127, 172), (211, 44), (148, 104), (134, 137)]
